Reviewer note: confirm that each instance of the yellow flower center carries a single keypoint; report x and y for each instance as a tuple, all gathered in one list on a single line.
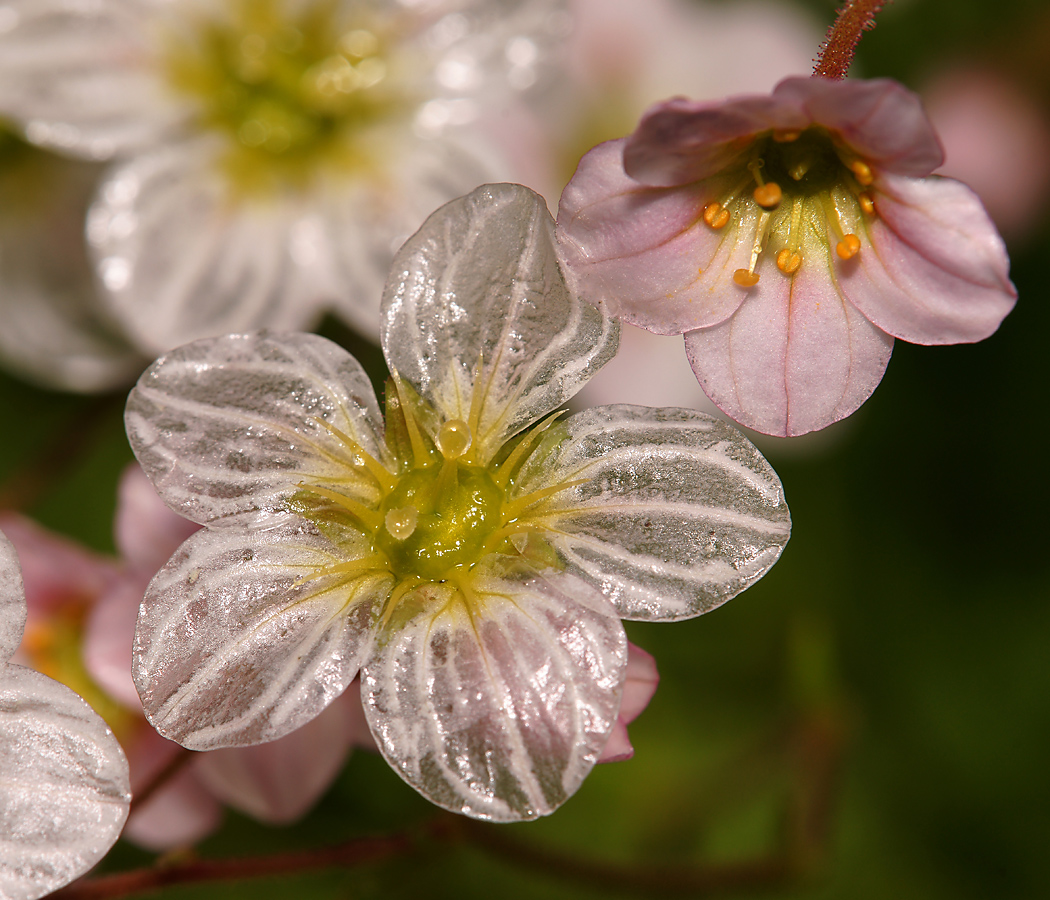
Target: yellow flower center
[(792, 189), (293, 86)]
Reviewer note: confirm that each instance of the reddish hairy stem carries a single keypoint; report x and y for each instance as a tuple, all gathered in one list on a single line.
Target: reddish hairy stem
[(836, 53)]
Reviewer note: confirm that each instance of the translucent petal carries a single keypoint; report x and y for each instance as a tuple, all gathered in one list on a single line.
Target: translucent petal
[(481, 281), (498, 708), (64, 790), (642, 254), (255, 780), (181, 258), (83, 77), (12, 600), (243, 638), (796, 357), (678, 514), (936, 271), (227, 428)]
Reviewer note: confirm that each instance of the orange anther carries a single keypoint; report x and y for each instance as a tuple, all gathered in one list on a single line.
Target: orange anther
[(786, 137), (867, 203), (788, 261), (862, 172), (716, 215), (768, 195), (848, 247), (745, 277)]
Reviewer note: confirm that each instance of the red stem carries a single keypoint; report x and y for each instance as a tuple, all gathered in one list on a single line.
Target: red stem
[(836, 53)]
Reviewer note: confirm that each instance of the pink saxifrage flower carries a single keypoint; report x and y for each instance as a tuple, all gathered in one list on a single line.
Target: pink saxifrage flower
[(791, 237)]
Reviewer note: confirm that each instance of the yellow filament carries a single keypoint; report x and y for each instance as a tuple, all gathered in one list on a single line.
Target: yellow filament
[(362, 457), (516, 507), (368, 517), (502, 475), (374, 563), (419, 449)]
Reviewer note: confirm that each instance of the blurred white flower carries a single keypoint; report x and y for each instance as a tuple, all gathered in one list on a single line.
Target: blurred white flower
[(276, 152), (472, 556), (64, 792)]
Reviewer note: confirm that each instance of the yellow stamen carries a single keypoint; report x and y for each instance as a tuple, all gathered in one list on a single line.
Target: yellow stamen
[(745, 278), (419, 449), (502, 475), (516, 507), (789, 261), (716, 215), (361, 456), (848, 247), (867, 203), (368, 517), (862, 172), (768, 195)]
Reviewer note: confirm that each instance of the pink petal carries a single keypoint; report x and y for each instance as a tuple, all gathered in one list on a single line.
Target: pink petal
[(280, 781), (147, 532), (880, 119), (109, 635), (681, 141), (795, 357), (937, 270), (642, 254), (638, 689), (57, 572), (618, 748)]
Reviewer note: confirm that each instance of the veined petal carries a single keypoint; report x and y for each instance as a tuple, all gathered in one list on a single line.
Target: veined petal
[(12, 600), (256, 780), (679, 512), (879, 119), (498, 706), (936, 271), (181, 258), (244, 638), (481, 281), (228, 428), (63, 785), (81, 77), (643, 254), (797, 356)]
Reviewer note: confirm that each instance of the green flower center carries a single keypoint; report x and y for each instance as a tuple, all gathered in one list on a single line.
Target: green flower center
[(794, 189), (292, 86)]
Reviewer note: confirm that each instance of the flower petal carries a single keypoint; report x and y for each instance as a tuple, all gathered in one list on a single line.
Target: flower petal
[(638, 688), (498, 710), (642, 254), (81, 76), (678, 513), (481, 280), (879, 119), (181, 259), (12, 600), (109, 635), (796, 357), (255, 780), (145, 530), (936, 271), (64, 790), (680, 141), (227, 428), (244, 638)]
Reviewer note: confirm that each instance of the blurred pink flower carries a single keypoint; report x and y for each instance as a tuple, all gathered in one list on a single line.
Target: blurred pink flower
[(985, 120), (80, 629), (638, 689), (791, 237)]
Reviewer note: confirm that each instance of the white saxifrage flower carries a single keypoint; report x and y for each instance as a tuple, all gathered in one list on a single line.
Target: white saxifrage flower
[(64, 790), (274, 153), (472, 560)]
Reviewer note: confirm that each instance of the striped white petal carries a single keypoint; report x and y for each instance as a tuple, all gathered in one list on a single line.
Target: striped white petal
[(12, 600), (679, 512), (227, 428), (481, 280), (64, 789), (498, 708), (243, 638), (179, 257), (83, 77)]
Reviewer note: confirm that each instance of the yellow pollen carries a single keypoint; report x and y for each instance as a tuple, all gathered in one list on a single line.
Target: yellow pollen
[(788, 261), (716, 215), (848, 247), (862, 172), (745, 278), (454, 438), (867, 203), (401, 523), (768, 195), (786, 137)]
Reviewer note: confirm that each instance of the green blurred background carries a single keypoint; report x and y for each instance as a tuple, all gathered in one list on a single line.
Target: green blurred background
[(875, 711)]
